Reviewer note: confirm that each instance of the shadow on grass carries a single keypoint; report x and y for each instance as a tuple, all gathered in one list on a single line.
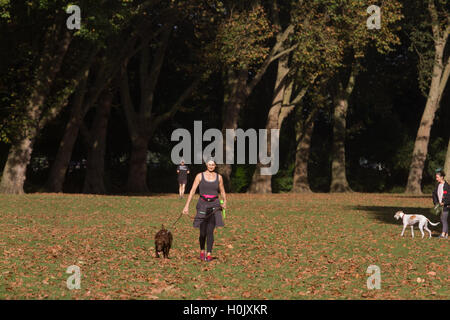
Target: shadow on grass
[(386, 214), (114, 194), (409, 196)]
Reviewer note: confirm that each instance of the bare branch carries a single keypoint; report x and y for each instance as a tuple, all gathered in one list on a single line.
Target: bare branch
[(303, 91), (434, 20), (274, 55), (282, 38), (64, 95), (282, 53), (177, 105)]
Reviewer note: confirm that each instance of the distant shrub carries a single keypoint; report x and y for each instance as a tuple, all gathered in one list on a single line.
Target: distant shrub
[(428, 188), (397, 189), (241, 178), (282, 182)]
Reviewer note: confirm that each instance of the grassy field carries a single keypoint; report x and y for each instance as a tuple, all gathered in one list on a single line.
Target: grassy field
[(281, 246)]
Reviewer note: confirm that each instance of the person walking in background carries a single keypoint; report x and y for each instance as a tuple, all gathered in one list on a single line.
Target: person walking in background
[(182, 171), (441, 196)]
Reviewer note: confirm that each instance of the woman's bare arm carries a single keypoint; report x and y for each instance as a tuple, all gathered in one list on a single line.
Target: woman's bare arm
[(191, 194), (222, 192)]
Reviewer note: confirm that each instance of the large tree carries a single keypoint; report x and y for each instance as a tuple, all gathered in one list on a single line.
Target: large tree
[(138, 85), (355, 38), (434, 24), (55, 44), (315, 51), (342, 91), (117, 44), (305, 119), (96, 141), (49, 85), (247, 43), (447, 160), (328, 34)]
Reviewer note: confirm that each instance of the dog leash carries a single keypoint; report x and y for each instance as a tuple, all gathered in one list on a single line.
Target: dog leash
[(176, 220)]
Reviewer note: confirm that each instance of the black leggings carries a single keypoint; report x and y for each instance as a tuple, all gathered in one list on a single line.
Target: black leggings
[(444, 218), (207, 233)]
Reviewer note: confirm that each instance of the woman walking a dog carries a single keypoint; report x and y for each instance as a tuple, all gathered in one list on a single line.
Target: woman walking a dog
[(208, 207), (441, 196)]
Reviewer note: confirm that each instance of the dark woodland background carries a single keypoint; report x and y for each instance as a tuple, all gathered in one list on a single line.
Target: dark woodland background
[(92, 111)]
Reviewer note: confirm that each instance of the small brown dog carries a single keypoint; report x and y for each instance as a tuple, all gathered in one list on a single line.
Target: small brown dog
[(163, 242)]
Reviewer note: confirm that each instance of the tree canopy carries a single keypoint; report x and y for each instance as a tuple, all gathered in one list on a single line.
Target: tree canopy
[(111, 94)]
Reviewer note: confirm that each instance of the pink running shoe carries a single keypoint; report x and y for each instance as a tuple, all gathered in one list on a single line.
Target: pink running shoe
[(202, 256), (209, 258)]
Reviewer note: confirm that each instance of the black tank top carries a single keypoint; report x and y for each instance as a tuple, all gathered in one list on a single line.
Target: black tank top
[(209, 187)]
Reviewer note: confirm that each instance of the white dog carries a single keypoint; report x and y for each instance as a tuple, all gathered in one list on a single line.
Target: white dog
[(411, 220)]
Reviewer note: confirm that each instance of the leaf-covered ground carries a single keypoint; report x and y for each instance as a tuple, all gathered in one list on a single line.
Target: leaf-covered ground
[(282, 246)]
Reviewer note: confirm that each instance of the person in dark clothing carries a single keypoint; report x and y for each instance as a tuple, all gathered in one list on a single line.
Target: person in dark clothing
[(441, 196), (182, 171), (208, 215)]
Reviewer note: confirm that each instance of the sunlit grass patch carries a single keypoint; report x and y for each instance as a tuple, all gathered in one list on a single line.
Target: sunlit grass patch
[(315, 246)]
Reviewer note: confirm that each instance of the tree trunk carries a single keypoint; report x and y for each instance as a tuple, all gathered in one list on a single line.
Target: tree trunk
[(14, 173), (421, 148), (58, 171), (447, 162), (420, 151), (304, 132), (439, 79), (141, 124), (263, 183), (82, 103), (94, 179), (15, 170), (244, 89), (282, 105), (339, 181), (137, 172), (234, 99)]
